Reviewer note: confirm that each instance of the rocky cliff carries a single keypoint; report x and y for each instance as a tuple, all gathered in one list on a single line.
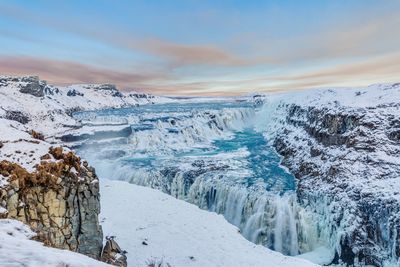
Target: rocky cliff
[(51, 189), (59, 200), (346, 161)]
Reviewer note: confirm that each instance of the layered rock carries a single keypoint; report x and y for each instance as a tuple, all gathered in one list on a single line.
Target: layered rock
[(59, 200), (346, 161)]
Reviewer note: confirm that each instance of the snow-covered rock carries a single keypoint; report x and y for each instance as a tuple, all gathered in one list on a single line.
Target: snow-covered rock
[(343, 147), (59, 199)]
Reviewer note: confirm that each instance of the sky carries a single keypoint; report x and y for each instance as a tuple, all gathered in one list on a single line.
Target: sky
[(188, 47)]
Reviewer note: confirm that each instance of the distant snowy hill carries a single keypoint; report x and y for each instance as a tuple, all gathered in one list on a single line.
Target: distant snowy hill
[(46, 108)]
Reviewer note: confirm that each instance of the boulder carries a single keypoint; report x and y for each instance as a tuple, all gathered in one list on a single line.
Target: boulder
[(113, 254)]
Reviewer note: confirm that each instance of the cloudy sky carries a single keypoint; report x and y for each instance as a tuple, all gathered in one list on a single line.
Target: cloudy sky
[(203, 47)]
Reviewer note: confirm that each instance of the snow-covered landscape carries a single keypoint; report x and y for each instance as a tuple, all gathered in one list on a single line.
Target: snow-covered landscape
[(200, 133), (279, 179)]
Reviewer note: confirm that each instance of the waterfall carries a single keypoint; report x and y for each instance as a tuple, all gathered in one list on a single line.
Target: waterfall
[(184, 132), (273, 220)]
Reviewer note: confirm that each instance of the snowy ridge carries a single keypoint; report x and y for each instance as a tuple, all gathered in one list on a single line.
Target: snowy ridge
[(54, 105), (18, 145)]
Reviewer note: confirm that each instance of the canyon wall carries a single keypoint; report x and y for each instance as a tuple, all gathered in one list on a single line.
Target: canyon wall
[(346, 161)]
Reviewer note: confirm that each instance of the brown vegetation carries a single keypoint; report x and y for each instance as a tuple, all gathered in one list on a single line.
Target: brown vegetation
[(47, 173)]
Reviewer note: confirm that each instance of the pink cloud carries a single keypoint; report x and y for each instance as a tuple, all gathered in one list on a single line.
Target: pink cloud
[(66, 72)]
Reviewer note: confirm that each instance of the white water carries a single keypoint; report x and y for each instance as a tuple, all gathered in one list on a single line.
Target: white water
[(276, 221)]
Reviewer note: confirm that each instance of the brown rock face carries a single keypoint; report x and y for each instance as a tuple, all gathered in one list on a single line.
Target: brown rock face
[(60, 201)]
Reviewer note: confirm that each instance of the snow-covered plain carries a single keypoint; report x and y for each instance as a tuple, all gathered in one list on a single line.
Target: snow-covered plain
[(154, 226)]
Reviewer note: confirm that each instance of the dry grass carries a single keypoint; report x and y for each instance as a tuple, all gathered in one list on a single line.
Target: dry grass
[(47, 173)]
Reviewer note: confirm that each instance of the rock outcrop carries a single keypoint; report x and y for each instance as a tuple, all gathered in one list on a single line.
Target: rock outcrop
[(59, 200), (33, 86), (27, 84), (18, 116), (111, 89)]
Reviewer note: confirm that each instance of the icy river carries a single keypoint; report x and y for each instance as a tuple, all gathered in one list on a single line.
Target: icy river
[(211, 154)]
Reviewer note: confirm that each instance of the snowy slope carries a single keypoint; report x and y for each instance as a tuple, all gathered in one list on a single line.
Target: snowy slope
[(17, 250), (18, 146), (160, 227), (355, 97)]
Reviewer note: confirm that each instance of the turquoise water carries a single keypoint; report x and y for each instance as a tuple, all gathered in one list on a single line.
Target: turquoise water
[(263, 161), (260, 162), (165, 109)]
